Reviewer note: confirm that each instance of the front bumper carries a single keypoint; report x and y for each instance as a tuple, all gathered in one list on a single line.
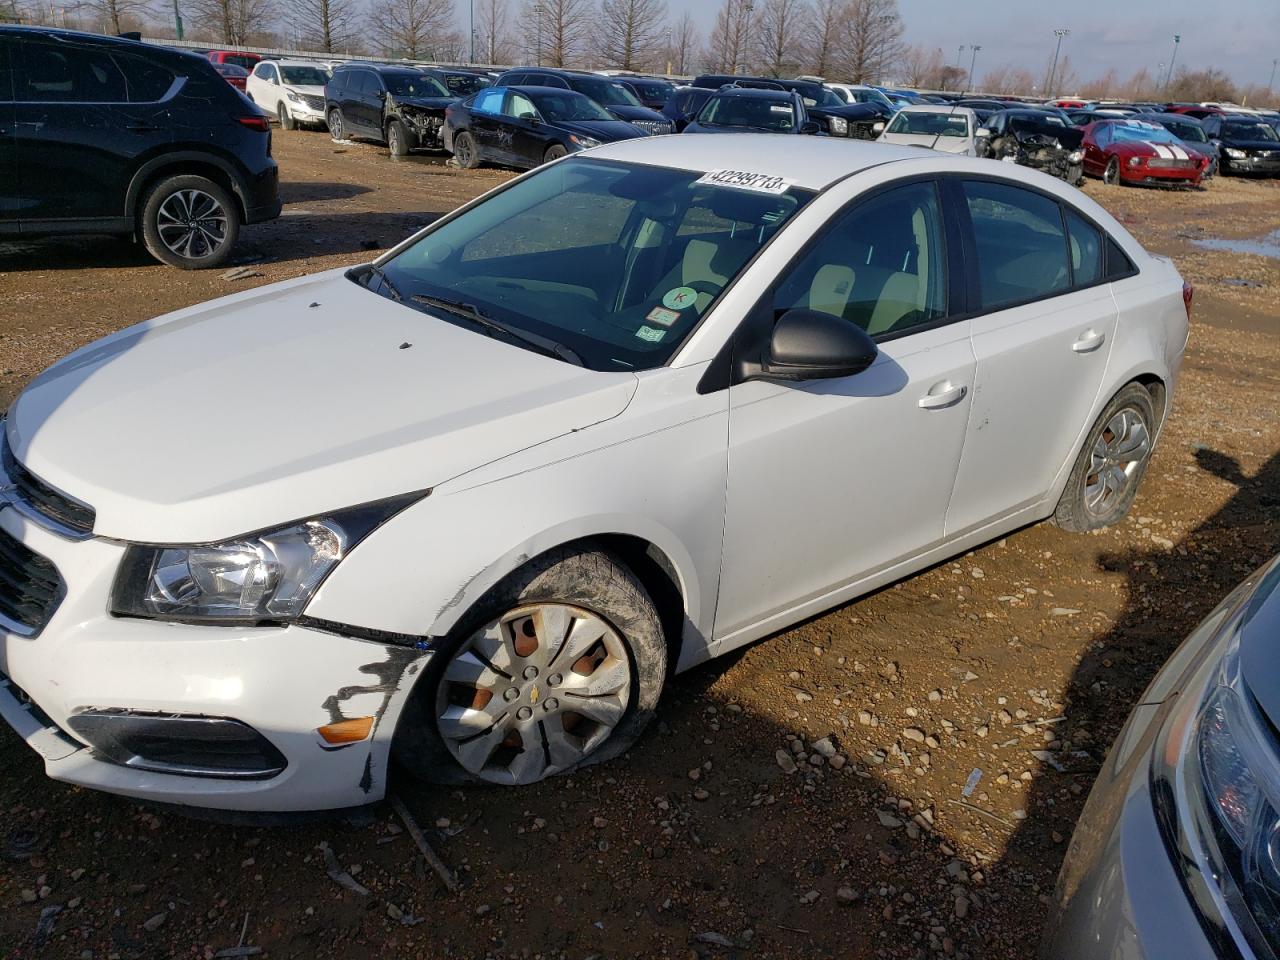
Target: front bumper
[(1268, 166), (1159, 175), (285, 683)]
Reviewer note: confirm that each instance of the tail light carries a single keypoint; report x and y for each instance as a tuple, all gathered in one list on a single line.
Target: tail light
[(1187, 292), (259, 123)]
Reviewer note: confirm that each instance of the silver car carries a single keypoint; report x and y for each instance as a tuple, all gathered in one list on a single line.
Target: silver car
[(1177, 853)]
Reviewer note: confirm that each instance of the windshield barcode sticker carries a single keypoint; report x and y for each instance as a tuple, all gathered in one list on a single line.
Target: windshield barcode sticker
[(745, 180)]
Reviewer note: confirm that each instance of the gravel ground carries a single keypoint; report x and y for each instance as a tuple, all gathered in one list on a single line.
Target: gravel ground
[(802, 798)]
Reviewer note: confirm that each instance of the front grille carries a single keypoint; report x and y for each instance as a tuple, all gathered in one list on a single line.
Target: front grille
[(653, 127), (1171, 164), (43, 499), (30, 587), (313, 102)]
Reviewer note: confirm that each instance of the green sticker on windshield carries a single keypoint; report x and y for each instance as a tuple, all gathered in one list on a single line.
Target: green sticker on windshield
[(681, 298), (650, 334)]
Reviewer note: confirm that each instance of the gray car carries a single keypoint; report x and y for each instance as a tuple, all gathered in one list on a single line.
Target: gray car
[(1177, 853)]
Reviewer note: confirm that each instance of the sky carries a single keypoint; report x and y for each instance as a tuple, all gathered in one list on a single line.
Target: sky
[(1238, 36)]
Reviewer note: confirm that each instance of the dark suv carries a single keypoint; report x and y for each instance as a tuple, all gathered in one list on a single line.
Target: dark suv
[(104, 135), (616, 97), (402, 107)]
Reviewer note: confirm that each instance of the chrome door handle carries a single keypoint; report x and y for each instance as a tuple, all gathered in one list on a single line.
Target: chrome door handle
[(1089, 342), (942, 395)]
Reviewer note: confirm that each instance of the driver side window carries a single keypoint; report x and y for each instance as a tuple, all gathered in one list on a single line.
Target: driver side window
[(520, 107), (882, 265)]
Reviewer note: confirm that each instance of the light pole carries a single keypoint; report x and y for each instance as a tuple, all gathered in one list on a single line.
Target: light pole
[(177, 22), (972, 62), (473, 32), (959, 54), (1271, 82), (1177, 39), (1053, 71)]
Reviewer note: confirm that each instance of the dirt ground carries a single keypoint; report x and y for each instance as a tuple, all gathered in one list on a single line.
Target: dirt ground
[(700, 843)]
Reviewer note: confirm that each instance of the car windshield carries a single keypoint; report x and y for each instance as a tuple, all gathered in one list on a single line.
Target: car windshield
[(414, 85), (667, 244), (653, 90), (304, 76), (247, 63), (756, 112), (465, 84), (1249, 130), (930, 124), (1141, 133), (823, 98), (564, 105), (1190, 132), (608, 92)]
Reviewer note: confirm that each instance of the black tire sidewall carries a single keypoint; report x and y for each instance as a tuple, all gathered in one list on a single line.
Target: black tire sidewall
[(1111, 174), (554, 152), (472, 157), (341, 133), (157, 194), (285, 117), (583, 576), (1071, 513)]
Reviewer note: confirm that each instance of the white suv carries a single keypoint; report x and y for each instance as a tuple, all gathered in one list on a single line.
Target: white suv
[(292, 91), (471, 504)]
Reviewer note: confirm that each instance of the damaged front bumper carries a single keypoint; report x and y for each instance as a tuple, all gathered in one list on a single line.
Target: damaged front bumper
[(217, 717), (425, 125)]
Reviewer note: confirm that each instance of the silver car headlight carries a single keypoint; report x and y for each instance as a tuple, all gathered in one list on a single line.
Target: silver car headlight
[(266, 577), (293, 96), (583, 143), (1075, 156), (840, 126), (1234, 153)]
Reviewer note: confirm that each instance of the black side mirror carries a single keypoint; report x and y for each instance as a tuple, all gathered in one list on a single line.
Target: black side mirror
[(810, 127), (809, 345)]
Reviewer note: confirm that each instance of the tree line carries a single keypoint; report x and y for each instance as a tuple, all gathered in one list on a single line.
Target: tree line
[(858, 41)]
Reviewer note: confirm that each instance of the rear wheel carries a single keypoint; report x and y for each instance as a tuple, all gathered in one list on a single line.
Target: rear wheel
[(189, 222), (286, 118), (337, 129), (397, 139), (465, 152), (1111, 464), (1111, 175), (559, 666), (554, 152)]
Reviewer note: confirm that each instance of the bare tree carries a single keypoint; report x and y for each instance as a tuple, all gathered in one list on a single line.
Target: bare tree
[(872, 38), (1211, 85), (1107, 85), (923, 67), (232, 22), (111, 15), (630, 33), (822, 39), (778, 35), (491, 31), (729, 47), (411, 28), (558, 29), (682, 45), (325, 24)]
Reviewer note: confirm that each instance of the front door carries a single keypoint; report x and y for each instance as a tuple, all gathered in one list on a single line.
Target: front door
[(832, 481), (85, 118), (9, 186), (1042, 342)]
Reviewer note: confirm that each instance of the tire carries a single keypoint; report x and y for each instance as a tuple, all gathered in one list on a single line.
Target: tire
[(465, 151), (189, 222), (397, 139), (554, 152), (286, 118), (337, 128), (1111, 175), (1111, 464), (466, 722)]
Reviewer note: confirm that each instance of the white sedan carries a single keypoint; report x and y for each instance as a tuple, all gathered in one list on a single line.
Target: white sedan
[(946, 129), (292, 91), (470, 505)]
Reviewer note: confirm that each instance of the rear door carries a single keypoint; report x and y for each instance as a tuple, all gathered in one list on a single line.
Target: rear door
[(11, 193), (87, 115), (1045, 325), (486, 122)]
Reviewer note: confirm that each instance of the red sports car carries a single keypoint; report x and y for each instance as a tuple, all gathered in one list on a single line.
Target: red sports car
[(236, 76), (1130, 151)]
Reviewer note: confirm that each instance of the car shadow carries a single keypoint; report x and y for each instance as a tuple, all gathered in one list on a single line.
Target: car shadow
[(314, 192)]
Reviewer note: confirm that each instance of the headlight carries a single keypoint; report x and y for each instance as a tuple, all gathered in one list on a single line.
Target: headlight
[(293, 96), (1075, 156), (1137, 161), (1217, 790), (877, 127), (583, 143), (266, 577), (1234, 153), (840, 126)]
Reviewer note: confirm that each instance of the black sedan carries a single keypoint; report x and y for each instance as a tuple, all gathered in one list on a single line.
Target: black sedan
[(1245, 144), (746, 110), (527, 126)]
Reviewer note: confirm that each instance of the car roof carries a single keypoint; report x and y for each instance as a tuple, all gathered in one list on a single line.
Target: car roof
[(822, 162), (295, 63), (754, 93), (538, 88), (958, 109)]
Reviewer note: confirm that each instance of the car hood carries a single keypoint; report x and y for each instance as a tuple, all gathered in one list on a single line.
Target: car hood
[(856, 112), (712, 128), (285, 402), (423, 103), (309, 90), (1251, 144), (606, 131), (627, 112), (943, 145)]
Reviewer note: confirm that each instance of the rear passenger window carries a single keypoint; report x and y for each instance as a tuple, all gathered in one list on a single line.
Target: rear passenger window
[(145, 81), (6, 71), (881, 266), (1118, 263), (67, 74), (1086, 250), (1022, 251)]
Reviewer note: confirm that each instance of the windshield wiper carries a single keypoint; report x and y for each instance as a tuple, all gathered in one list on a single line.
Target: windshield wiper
[(392, 289), (469, 311)]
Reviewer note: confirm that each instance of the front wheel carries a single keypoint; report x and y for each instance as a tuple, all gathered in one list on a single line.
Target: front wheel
[(397, 139), (554, 152), (465, 152), (560, 666), (1111, 175), (286, 118), (189, 222), (1111, 464), (337, 129)]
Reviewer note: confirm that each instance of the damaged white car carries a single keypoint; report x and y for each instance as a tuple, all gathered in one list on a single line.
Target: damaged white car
[(468, 506)]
